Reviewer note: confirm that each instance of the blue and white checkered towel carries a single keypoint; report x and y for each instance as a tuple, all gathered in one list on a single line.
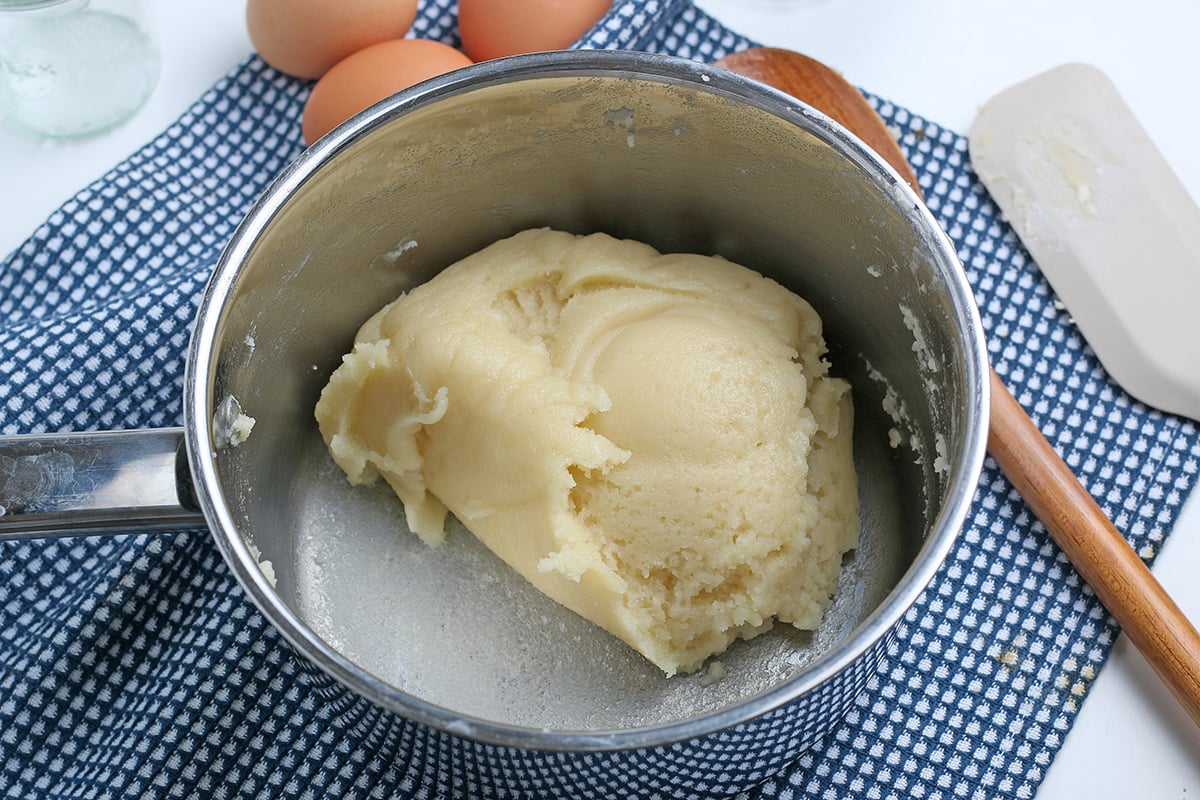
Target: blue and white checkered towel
[(134, 666)]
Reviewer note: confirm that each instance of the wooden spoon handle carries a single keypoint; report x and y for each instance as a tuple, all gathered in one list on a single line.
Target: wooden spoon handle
[(1130, 592), (1126, 587)]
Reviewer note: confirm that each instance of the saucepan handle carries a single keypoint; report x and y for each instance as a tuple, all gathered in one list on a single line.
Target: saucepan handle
[(80, 484)]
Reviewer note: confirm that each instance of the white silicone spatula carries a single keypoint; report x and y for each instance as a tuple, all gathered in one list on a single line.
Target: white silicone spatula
[(1109, 223)]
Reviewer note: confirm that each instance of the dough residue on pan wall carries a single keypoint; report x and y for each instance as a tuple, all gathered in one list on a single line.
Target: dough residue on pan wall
[(231, 426), (654, 441)]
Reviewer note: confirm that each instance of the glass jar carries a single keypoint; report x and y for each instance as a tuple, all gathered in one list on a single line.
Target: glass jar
[(74, 67)]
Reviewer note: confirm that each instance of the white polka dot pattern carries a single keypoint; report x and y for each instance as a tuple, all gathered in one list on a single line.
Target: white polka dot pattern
[(134, 666)]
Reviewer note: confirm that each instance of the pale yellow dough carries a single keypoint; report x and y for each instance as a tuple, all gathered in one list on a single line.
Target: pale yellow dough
[(651, 440)]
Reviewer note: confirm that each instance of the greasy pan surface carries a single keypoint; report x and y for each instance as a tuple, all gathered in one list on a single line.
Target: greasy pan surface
[(684, 157)]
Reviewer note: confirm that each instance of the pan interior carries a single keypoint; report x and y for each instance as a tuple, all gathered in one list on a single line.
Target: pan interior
[(457, 627), (680, 163)]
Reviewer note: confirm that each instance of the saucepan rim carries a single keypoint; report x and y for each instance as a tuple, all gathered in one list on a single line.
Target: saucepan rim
[(199, 399)]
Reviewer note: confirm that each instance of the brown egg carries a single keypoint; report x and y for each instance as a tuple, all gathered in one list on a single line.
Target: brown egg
[(305, 38), (370, 75), (494, 28)]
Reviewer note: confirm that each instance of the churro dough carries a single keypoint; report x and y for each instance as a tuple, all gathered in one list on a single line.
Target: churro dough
[(652, 440)]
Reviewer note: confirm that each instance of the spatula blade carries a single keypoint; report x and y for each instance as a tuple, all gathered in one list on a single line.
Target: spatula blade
[(1106, 219)]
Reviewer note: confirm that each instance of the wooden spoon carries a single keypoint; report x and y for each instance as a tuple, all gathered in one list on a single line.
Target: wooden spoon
[(1130, 592)]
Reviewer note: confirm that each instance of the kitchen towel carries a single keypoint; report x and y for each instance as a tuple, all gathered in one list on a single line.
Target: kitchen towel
[(134, 666)]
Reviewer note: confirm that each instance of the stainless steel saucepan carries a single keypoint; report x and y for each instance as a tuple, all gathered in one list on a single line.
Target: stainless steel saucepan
[(508, 687)]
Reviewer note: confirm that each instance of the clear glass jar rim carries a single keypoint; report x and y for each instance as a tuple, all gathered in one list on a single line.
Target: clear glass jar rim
[(31, 5)]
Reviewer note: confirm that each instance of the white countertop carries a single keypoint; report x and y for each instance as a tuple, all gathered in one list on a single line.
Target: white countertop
[(939, 58)]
